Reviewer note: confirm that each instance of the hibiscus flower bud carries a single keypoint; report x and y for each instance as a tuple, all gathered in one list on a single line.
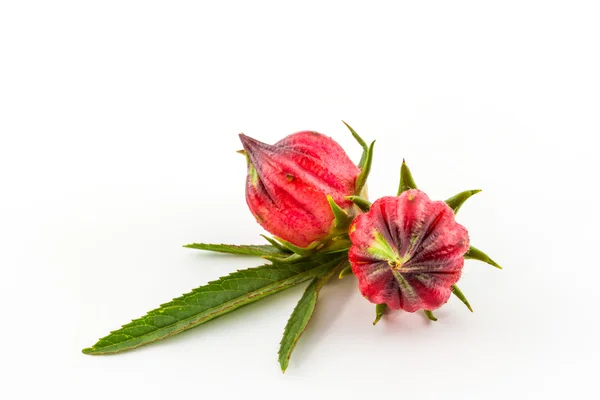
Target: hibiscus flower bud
[(408, 251), (288, 185)]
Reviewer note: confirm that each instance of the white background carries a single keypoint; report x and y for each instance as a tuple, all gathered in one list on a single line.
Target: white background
[(119, 123)]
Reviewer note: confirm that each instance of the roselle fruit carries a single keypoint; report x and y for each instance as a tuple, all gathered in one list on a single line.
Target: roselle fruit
[(288, 186), (408, 251)]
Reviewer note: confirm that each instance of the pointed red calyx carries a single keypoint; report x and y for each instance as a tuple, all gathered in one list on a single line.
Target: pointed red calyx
[(288, 184), (408, 251)]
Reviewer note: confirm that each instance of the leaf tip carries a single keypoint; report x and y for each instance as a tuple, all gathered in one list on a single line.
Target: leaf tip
[(88, 350)]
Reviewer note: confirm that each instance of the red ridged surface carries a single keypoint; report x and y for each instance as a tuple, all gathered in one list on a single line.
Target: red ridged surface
[(295, 175), (427, 245)]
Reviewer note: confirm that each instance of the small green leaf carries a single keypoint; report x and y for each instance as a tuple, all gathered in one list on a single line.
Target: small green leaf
[(476, 254), (456, 201), (341, 217), (276, 244), (361, 203), (380, 309), (301, 315), (457, 292), (430, 315), (406, 179), (210, 301), (248, 250), (362, 144), (361, 179)]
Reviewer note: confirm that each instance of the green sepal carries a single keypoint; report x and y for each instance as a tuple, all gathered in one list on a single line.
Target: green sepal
[(260, 250), (363, 204), (406, 179), (211, 301), (346, 271), (456, 201), (337, 244), (275, 243), (362, 144), (302, 251), (380, 309), (476, 254), (341, 217), (361, 179), (458, 293), (430, 315), (302, 314)]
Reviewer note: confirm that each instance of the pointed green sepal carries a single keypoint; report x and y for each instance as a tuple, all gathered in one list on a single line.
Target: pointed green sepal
[(242, 152), (476, 254), (363, 204), (406, 179), (430, 315), (362, 144), (345, 272), (301, 251), (456, 201), (288, 258), (457, 292), (380, 309), (276, 244), (361, 179), (341, 217)]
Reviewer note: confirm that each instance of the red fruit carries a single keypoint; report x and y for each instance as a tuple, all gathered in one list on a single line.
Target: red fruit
[(288, 184), (407, 251)]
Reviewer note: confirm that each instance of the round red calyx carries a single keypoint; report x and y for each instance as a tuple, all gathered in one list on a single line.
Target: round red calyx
[(408, 251), (288, 184)]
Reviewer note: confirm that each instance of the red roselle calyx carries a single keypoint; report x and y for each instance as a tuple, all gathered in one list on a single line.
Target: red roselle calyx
[(408, 251), (288, 185)]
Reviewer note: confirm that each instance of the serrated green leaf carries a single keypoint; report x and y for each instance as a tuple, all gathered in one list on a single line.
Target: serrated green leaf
[(458, 293), (247, 250), (361, 179), (362, 144), (302, 314), (476, 254), (430, 315), (456, 201), (210, 301), (406, 179), (363, 204), (380, 309)]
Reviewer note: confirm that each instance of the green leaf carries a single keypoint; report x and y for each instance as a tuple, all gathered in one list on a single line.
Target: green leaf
[(380, 309), (302, 314), (247, 250), (476, 254), (210, 301), (361, 203), (456, 201), (430, 315), (341, 217), (362, 144), (361, 179), (458, 293), (406, 179)]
